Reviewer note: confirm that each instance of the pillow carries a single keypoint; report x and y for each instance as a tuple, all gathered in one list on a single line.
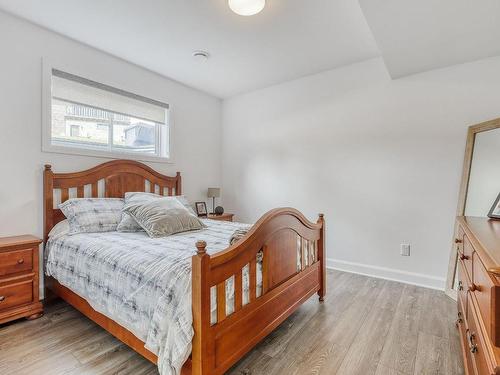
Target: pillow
[(128, 224), (88, 215), (60, 229), (163, 217), (185, 203)]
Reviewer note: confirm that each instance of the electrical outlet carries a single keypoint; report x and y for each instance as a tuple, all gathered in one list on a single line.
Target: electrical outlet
[(405, 249)]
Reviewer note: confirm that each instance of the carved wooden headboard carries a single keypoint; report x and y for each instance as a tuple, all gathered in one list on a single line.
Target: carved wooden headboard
[(111, 180)]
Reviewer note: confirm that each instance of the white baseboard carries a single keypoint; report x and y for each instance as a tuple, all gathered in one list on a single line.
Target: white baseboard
[(419, 279)]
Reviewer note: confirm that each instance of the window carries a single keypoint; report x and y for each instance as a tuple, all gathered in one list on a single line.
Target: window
[(90, 118)]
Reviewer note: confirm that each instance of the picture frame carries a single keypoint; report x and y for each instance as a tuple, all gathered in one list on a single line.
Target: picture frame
[(495, 209), (201, 209)]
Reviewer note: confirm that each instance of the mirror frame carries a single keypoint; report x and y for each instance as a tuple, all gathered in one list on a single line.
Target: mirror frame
[(462, 197)]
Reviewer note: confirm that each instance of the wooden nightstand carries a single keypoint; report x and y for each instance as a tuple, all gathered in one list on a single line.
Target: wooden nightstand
[(19, 277), (223, 217)]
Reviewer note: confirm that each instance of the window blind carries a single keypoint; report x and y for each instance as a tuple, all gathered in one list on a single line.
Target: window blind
[(71, 88)]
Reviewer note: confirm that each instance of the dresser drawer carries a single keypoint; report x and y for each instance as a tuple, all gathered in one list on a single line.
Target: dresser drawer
[(482, 289), (463, 286), (16, 294), (461, 324), (16, 261), (476, 343)]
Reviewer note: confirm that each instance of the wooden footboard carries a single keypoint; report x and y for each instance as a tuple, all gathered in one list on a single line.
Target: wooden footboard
[(293, 269)]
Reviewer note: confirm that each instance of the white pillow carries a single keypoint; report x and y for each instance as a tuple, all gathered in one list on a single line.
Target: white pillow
[(90, 215), (60, 229)]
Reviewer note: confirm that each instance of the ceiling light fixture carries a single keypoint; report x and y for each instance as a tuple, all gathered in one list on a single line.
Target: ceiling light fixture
[(246, 7)]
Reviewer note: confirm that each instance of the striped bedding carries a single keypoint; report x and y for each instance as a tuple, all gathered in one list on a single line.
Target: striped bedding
[(143, 283)]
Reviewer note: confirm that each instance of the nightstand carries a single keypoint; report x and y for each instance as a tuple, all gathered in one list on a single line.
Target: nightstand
[(19, 278), (223, 217)]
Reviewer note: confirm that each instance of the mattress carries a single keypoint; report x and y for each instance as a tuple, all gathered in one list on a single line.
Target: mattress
[(143, 283)]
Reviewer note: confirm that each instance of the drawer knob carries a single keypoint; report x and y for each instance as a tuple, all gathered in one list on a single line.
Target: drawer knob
[(458, 240), (2, 298), (459, 319), (473, 287), (464, 257), (472, 344), (20, 261)]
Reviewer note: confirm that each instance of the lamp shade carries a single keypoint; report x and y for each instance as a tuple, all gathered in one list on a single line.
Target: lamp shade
[(213, 192)]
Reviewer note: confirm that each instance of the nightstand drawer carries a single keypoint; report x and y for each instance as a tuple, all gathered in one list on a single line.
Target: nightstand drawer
[(223, 217), (16, 294), (16, 261)]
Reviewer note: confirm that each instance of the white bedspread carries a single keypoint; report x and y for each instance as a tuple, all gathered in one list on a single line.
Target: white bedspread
[(142, 283)]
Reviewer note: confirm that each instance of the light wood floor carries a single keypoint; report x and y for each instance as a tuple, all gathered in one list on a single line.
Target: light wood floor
[(365, 326)]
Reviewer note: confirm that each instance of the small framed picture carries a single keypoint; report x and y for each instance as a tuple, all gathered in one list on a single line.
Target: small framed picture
[(495, 209), (201, 208)]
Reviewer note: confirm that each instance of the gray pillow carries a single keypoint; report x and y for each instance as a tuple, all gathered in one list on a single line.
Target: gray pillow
[(185, 203), (89, 215), (163, 217), (128, 224)]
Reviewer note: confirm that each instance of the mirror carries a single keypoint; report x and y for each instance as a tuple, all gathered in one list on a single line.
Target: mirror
[(480, 184), (484, 180)]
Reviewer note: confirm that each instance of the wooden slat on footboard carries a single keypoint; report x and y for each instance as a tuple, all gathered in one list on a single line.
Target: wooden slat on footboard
[(238, 290), (221, 301), (252, 288)]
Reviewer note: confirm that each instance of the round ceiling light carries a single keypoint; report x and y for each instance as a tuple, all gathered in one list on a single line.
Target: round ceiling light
[(247, 7)]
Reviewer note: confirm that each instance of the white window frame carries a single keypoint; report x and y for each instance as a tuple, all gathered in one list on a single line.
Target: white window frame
[(47, 146)]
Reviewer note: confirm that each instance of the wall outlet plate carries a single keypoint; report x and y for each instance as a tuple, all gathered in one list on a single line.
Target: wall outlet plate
[(405, 249)]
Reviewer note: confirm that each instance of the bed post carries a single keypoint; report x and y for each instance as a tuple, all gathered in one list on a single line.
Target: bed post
[(48, 201), (178, 183), (201, 352), (322, 258)]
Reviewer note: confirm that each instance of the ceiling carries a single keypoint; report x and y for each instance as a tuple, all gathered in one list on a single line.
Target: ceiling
[(415, 36), (288, 40)]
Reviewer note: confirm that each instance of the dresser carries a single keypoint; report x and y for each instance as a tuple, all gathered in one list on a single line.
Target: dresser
[(478, 270), (19, 278)]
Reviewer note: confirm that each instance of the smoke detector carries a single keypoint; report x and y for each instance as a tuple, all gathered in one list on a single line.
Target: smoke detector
[(201, 55)]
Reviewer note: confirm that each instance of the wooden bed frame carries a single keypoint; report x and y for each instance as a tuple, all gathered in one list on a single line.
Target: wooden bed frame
[(284, 236)]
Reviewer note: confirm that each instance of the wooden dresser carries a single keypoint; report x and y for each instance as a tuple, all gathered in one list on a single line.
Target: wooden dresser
[(19, 278), (478, 247)]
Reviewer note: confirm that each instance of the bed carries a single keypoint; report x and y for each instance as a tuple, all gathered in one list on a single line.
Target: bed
[(229, 296)]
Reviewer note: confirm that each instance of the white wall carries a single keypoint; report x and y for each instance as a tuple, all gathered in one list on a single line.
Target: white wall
[(195, 116), (382, 159)]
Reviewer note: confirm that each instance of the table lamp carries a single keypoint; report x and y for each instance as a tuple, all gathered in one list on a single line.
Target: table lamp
[(213, 193)]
